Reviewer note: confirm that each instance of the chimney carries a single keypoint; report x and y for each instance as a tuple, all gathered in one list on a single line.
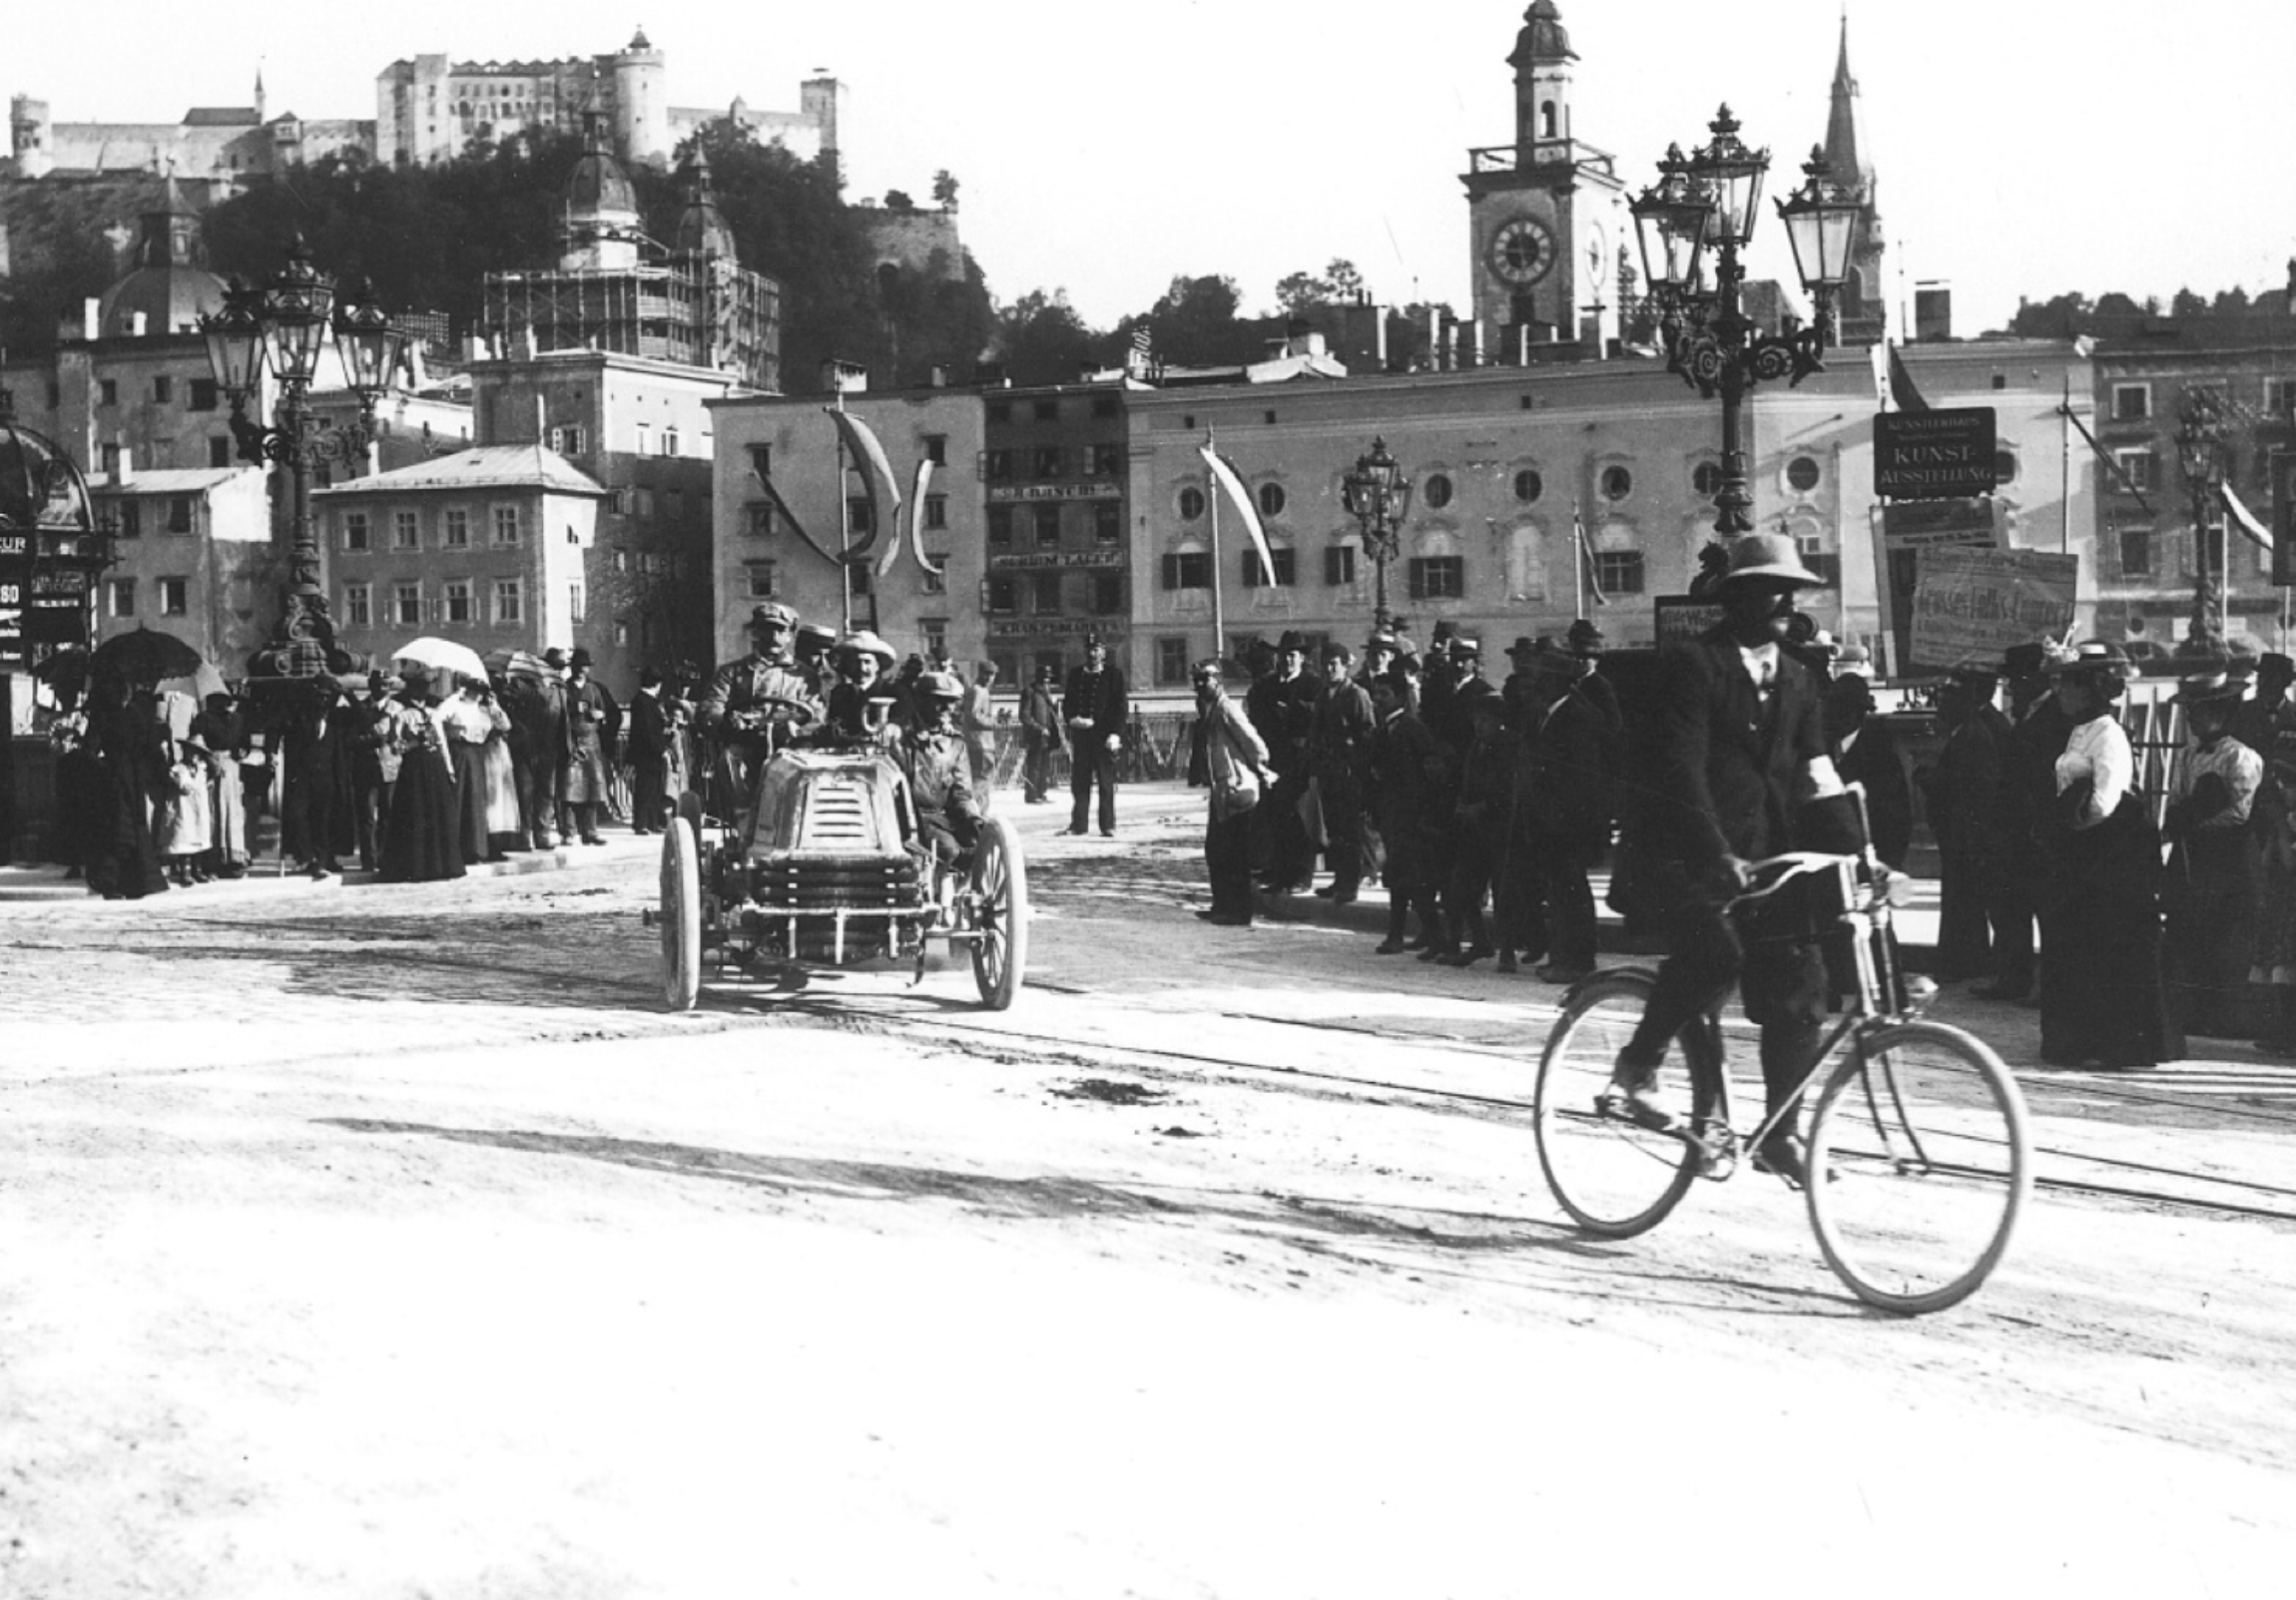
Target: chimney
[(136, 324), (541, 420)]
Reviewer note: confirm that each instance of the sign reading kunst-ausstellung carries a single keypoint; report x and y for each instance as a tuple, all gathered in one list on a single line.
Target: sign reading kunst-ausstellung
[(1971, 605), (1933, 455)]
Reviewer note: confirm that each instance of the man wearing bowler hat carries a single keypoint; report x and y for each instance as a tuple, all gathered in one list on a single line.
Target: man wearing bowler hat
[(1732, 756), (1094, 710)]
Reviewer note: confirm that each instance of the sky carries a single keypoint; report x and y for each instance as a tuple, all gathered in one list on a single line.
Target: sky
[(2023, 147)]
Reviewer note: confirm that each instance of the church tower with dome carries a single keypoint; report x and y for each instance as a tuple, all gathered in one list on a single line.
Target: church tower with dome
[(1545, 213)]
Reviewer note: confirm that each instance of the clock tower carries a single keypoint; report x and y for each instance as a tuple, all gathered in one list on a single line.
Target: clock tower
[(1546, 215)]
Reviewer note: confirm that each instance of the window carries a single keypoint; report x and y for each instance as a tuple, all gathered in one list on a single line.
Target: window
[(509, 601), (758, 517), (566, 440), (2136, 470), (997, 466), (1706, 478), (1044, 462), (1528, 486), (110, 457), (761, 579), (109, 392), (406, 604), (645, 437), (861, 514), (179, 513), (1801, 475), (130, 523), (934, 579), (2131, 402), (505, 524), (1619, 572), (1271, 499), (1000, 524), (218, 452), (762, 461), (935, 632), (358, 606), (2135, 552), (175, 597), (1107, 460), (642, 501), (577, 601), (2280, 396), (1438, 493), (1618, 483), (458, 600), (1286, 565), (1188, 569), (405, 531), (621, 633), (1437, 577), (1048, 526), (162, 389), (668, 441), (936, 511), (1047, 593), (2005, 467), (122, 597), (1001, 410), (1107, 594), (355, 534), (1104, 405), (1191, 504), (861, 582), (1107, 522), (1046, 411), (1338, 565), (202, 394), (936, 449), (1171, 661), (457, 528), (1001, 595)]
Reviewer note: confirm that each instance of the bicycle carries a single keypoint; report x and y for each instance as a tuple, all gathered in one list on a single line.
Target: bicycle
[(1919, 1157)]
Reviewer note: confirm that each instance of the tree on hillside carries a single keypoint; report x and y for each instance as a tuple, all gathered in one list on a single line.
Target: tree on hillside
[(1195, 324), (61, 259), (1338, 284), (1042, 339)]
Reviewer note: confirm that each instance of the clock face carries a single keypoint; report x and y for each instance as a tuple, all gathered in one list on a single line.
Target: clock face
[(1522, 251)]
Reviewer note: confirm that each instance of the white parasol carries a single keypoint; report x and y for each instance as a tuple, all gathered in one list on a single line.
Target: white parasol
[(443, 655)]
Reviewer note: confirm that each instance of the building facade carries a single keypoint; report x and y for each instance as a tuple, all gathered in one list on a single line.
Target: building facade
[(1057, 483), (793, 444), (485, 547), (222, 144)]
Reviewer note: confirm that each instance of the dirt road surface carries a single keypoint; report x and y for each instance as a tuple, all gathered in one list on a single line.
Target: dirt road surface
[(393, 1242)]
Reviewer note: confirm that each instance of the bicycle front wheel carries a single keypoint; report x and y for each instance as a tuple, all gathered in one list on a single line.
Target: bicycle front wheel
[(1616, 1178), (1919, 1163)]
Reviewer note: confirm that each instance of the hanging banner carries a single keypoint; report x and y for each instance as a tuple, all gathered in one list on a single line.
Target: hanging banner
[(1971, 605)]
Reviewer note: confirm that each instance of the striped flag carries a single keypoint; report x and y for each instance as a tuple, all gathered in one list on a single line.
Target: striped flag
[(1225, 474), (1902, 390), (915, 527), (876, 475), (2245, 519), (1589, 565)]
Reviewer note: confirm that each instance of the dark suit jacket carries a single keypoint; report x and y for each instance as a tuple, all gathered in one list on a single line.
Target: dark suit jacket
[(1562, 774), (1103, 700), (1719, 769), (649, 728), (1873, 761)]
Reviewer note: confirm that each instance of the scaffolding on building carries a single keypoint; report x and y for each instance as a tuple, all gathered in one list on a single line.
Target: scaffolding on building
[(690, 310)]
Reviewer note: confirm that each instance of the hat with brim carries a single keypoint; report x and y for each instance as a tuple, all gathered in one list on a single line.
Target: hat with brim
[(1292, 641), (773, 615), (2208, 689), (1769, 558), (813, 633), (866, 643), (1584, 639), (1465, 647), (1525, 645), (1973, 674), (2091, 656), (939, 685)]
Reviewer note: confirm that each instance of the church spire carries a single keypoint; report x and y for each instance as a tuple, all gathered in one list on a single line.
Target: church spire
[(1844, 151)]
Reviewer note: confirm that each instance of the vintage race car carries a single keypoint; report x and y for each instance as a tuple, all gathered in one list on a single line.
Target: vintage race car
[(826, 870)]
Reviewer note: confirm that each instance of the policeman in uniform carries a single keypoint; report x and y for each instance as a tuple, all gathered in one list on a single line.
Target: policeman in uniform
[(738, 713), (939, 770)]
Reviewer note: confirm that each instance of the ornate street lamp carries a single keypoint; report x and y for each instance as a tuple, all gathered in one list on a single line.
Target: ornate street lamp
[(1702, 210), (1378, 494), (2201, 429), (281, 328)]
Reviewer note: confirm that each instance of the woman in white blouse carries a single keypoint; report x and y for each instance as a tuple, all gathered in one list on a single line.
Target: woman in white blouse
[(2214, 867), (2102, 999)]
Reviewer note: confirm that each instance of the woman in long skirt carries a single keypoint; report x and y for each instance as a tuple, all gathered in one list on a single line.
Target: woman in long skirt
[(2102, 999), (223, 734), (422, 842), (129, 767), (505, 823), (473, 720), (2215, 865)]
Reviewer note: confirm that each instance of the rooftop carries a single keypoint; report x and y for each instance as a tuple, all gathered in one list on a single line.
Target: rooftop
[(489, 466)]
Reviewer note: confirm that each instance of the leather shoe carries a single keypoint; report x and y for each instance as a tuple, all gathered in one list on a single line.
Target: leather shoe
[(1390, 948), (1633, 1094), (1783, 1155)]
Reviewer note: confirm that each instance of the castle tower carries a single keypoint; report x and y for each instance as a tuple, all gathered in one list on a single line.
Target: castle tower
[(820, 99), (1864, 302), (641, 102), (28, 136), (1545, 213)]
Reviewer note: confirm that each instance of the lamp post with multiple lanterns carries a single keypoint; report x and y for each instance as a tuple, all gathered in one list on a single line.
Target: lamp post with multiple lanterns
[(1378, 494), (2201, 430), (280, 328), (1702, 210)]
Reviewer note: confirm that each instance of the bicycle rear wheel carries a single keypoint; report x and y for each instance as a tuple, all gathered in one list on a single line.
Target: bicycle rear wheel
[(1616, 1178), (1922, 1142)]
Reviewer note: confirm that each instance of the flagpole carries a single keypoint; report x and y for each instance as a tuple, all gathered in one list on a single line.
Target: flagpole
[(845, 525), (1212, 503), (1577, 561), (2064, 438)]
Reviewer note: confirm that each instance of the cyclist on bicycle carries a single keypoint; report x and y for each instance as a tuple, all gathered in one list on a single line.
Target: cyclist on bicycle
[(1733, 751)]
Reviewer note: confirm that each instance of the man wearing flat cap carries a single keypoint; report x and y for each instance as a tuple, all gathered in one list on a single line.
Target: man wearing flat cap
[(747, 711), (939, 769), (1731, 758)]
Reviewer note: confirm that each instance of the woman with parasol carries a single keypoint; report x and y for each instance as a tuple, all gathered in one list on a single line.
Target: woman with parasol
[(421, 841), (129, 769)]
